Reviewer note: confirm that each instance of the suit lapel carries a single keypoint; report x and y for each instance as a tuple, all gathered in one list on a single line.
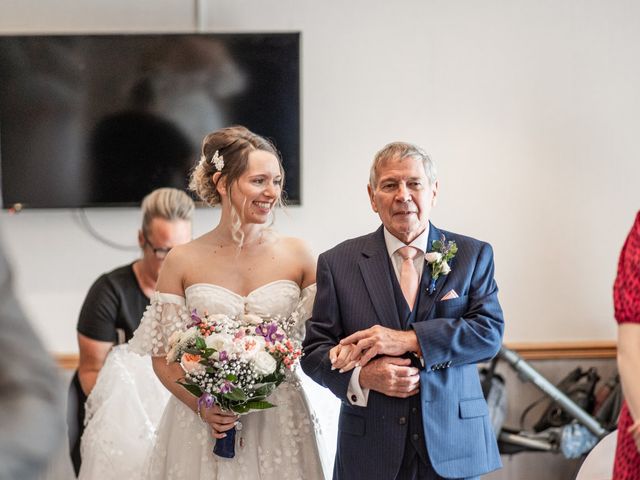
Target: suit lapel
[(375, 270), (428, 301)]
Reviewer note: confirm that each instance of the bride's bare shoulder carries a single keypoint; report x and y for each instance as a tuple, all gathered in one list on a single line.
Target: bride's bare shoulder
[(296, 245), (297, 252)]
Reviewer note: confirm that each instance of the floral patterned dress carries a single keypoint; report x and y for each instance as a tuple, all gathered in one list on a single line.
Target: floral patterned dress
[(626, 297)]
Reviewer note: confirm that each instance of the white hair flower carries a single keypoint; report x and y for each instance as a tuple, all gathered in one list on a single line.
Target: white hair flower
[(217, 161)]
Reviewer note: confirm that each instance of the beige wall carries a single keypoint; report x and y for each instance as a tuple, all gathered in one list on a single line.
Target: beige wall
[(529, 107)]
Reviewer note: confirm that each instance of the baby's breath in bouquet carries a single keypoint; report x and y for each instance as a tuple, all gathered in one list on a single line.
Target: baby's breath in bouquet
[(234, 362)]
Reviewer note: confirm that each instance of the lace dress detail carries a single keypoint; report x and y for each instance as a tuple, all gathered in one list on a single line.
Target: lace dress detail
[(167, 313), (279, 443)]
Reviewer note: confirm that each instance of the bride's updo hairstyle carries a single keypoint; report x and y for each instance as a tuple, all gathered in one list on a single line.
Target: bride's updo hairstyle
[(233, 144)]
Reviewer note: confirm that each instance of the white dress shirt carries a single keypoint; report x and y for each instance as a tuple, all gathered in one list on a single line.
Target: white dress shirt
[(355, 393)]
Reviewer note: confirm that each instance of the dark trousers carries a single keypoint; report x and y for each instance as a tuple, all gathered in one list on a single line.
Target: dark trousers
[(413, 467), (75, 420)]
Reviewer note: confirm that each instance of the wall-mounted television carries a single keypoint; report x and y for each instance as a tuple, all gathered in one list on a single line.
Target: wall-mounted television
[(101, 120)]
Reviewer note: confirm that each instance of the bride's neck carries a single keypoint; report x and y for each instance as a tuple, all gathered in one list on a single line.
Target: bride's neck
[(225, 232)]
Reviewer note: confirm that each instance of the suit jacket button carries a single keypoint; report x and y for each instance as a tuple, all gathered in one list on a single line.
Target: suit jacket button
[(354, 398), (415, 437), (414, 410), (402, 420)]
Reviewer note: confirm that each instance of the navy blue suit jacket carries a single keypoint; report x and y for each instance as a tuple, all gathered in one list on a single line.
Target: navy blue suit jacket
[(355, 292)]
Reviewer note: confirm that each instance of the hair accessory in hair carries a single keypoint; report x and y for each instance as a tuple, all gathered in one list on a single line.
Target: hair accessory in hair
[(217, 161)]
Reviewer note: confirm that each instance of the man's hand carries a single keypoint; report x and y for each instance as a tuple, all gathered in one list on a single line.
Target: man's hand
[(391, 376), (219, 420), (379, 340)]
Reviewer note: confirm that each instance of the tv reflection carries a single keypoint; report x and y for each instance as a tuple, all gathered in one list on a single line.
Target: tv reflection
[(124, 114)]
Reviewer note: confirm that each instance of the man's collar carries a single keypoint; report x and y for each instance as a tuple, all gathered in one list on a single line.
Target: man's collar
[(392, 243)]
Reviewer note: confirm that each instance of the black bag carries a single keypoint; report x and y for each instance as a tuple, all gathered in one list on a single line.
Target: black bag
[(579, 386)]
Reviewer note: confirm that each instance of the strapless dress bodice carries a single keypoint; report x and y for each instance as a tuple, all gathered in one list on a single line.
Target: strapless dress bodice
[(278, 298)]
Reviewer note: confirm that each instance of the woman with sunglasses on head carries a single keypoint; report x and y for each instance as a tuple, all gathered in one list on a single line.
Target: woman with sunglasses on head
[(116, 301)]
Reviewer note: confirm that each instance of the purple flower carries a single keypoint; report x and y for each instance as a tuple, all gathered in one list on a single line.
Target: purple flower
[(206, 400), (270, 332), (223, 356), (226, 387), (195, 318)]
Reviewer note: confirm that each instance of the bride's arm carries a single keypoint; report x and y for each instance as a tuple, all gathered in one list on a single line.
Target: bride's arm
[(169, 375)]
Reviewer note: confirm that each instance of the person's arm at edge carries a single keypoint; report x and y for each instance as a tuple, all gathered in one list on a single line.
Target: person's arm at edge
[(628, 359), (31, 404)]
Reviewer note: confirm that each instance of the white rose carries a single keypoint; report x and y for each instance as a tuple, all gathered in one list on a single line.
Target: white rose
[(251, 319), (220, 342), (250, 345), (433, 257), (445, 268), (264, 363)]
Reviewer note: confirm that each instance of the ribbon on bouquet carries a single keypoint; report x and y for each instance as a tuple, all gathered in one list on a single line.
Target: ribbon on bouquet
[(224, 447)]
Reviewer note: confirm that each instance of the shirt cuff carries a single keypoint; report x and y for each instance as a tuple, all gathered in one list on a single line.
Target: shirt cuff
[(356, 395)]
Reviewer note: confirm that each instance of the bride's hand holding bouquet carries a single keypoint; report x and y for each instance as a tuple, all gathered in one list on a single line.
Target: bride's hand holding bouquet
[(232, 365)]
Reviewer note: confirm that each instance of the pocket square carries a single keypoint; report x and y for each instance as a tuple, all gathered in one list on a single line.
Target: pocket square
[(451, 294)]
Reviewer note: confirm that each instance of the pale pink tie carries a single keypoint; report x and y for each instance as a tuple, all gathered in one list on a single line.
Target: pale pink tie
[(408, 274)]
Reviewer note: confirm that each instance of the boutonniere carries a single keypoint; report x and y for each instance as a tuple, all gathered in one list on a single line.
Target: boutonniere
[(438, 259)]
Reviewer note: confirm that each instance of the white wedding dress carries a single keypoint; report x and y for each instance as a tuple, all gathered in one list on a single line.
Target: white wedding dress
[(128, 438)]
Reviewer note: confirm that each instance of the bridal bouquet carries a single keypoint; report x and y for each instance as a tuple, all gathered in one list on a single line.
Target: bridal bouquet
[(234, 362)]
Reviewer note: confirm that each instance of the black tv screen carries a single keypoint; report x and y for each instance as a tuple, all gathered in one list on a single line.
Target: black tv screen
[(101, 120)]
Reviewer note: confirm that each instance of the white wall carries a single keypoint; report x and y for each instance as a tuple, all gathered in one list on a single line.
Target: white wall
[(528, 107)]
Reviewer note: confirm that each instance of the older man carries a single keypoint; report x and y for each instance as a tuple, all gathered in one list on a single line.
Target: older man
[(401, 318)]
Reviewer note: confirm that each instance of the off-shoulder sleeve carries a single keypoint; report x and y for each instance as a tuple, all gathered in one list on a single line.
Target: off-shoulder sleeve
[(304, 309), (626, 290), (167, 313)]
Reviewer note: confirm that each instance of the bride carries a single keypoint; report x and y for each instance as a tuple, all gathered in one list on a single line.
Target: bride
[(241, 266)]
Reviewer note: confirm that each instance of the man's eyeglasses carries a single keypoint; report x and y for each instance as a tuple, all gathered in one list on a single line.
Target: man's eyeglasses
[(160, 253)]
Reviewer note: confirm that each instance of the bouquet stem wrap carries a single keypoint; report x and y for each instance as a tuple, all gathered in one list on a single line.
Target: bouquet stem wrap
[(226, 447)]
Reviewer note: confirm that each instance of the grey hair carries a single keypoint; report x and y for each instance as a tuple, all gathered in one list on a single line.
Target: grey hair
[(167, 203), (402, 150)]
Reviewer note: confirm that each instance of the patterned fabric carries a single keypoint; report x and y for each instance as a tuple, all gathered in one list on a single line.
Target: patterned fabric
[(626, 299)]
